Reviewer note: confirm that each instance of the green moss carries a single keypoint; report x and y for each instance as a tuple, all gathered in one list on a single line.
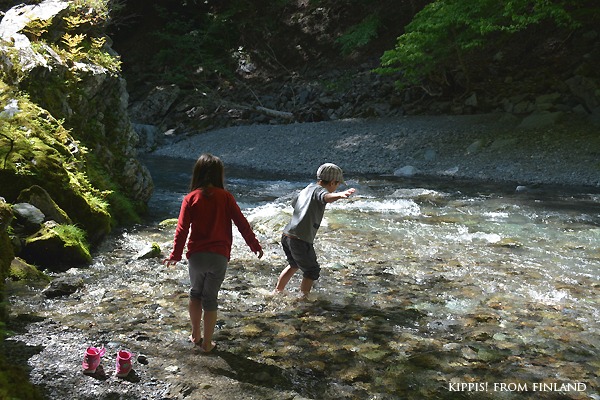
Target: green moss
[(35, 149), (167, 223), (14, 382), (74, 237), (57, 247), (6, 253), (22, 271)]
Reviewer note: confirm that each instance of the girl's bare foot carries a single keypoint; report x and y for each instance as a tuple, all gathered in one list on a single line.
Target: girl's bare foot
[(196, 342), (207, 349)]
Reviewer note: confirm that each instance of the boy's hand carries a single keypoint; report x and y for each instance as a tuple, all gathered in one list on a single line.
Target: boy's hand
[(331, 197), (259, 253), (347, 193)]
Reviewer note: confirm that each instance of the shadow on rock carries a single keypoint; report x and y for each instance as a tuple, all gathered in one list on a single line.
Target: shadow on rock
[(249, 371)]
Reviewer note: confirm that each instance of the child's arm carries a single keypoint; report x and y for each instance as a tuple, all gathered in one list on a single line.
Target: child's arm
[(331, 197)]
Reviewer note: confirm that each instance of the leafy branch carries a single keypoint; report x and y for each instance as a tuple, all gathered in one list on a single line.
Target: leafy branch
[(446, 32)]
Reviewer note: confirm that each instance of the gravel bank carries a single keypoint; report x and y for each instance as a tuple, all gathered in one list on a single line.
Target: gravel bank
[(488, 148)]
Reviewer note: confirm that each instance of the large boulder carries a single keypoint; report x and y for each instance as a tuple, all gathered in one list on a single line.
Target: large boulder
[(56, 248)]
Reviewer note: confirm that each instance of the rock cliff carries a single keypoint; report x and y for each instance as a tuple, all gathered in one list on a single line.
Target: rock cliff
[(64, 122)]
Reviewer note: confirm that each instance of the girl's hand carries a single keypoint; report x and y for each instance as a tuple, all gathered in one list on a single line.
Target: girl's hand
[(259, 253), (168, 262)]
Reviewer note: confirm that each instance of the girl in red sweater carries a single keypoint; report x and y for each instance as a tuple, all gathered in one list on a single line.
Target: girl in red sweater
[(207, 211)]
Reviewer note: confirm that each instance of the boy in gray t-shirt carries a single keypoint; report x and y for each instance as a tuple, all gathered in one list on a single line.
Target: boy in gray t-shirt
[(299, 235)]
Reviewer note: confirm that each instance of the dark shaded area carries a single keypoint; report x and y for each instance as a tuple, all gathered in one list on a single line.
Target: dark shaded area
[(14, 356)]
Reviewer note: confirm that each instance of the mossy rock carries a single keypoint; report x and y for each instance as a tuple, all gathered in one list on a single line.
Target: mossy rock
[(38, 151), (20, 270), (151, 251), (57, 248), (168, 223), (6, 253)]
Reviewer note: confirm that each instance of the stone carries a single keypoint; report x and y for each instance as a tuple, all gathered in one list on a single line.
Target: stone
[(406, 171), (20, 270), (475, 147), (152, 109), (150, 251), (471, 100), (63, 286), (540, 120), (27, 216)]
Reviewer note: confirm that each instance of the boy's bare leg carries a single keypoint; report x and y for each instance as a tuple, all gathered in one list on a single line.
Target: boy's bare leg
[(210, 320), (284, 278), (195, 310), (305, 286)]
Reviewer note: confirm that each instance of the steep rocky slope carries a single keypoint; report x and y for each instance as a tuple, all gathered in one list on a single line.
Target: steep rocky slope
[(295, 70)]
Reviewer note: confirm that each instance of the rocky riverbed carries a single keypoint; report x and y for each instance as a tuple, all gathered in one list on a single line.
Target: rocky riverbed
[(491, 147), (123, 308)]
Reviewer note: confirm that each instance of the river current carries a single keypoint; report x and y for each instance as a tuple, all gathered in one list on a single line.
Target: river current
[(429, 290)]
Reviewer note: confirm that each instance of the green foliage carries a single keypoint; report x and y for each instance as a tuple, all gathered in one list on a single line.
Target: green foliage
[(195, 52), (36, 149), (74, 50), (72, 235), (359, 35), (200, 45), (82, 37), (36, 28), (446, 32)]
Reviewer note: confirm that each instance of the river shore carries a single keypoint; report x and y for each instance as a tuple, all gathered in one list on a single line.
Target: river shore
[(490, 148)]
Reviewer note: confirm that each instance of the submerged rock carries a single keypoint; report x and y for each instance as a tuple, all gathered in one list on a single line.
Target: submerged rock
[(63, 286)]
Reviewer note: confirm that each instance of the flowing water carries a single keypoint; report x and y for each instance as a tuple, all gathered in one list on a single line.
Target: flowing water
[(429, 290)]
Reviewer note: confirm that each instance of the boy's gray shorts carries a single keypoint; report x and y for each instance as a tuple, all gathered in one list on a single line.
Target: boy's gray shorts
[(207, 272), (301, 254)]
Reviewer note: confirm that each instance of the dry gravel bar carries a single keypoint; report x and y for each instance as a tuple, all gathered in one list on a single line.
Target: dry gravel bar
[(490, 147)]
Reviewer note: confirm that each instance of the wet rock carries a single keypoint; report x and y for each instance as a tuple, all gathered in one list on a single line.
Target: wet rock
[(28, 217), (63, 286), (150, 251)]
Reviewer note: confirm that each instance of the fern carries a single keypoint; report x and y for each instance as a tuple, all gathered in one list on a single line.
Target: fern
[(36, 28), (73, 44)]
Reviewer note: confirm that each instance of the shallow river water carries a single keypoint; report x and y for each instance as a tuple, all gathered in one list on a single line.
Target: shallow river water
[(429, 290)]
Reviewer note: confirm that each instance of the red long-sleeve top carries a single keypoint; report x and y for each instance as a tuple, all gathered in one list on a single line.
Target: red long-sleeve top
[(208, 214)]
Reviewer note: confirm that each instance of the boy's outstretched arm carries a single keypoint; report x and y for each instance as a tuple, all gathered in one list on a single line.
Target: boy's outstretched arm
[(331, 197)]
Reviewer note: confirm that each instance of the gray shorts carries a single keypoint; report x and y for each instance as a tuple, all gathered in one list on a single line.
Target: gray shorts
[(301, 254), (207, 272)]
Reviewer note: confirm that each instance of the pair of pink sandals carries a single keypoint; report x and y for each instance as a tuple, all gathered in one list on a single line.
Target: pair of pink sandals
[(93, 355)]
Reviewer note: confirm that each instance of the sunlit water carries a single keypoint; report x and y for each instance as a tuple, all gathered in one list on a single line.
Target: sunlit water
[(425, 287)]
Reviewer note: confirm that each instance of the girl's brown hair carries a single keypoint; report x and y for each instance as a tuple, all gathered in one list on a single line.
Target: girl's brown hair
[(208, 170)]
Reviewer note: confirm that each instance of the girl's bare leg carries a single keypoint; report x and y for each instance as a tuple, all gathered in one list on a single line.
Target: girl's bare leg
[(210, 320), (195, 310)]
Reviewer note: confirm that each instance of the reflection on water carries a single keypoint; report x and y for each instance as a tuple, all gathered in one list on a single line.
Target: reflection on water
[(424, 287)]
